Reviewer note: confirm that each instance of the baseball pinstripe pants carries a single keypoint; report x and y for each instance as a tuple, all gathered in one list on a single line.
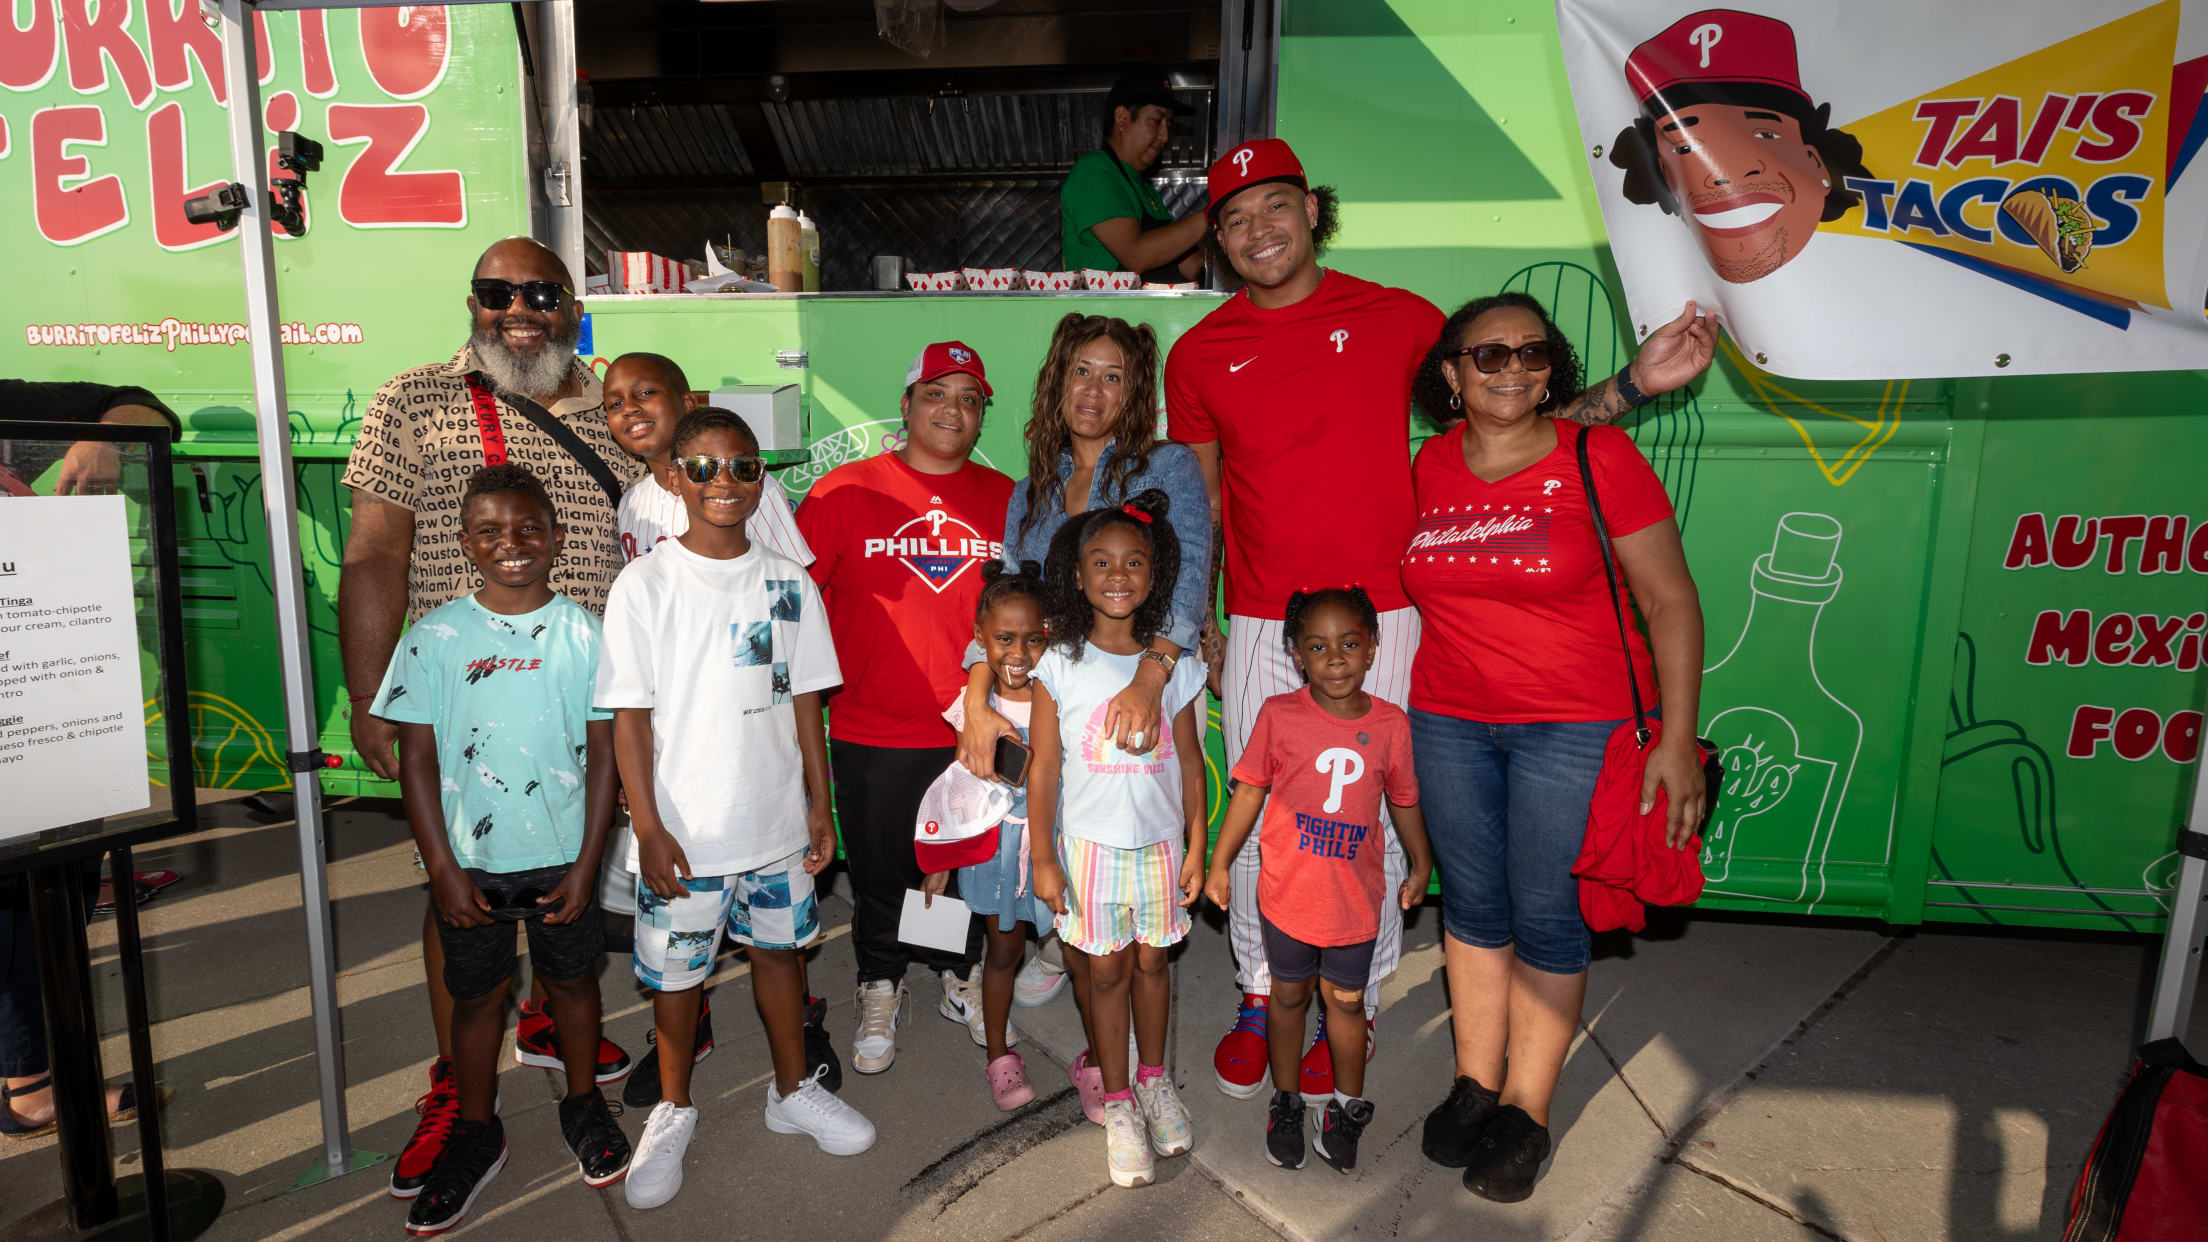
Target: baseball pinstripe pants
[(1257, 668)]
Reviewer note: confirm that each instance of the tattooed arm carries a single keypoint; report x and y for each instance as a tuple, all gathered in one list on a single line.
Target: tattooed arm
[(1675, 356)]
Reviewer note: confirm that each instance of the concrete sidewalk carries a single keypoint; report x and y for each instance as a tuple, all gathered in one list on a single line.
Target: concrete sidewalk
[(1735, 1079)]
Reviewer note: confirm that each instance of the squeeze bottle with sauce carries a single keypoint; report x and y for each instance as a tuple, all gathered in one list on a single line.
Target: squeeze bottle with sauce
[(785, 258), (809, 251)]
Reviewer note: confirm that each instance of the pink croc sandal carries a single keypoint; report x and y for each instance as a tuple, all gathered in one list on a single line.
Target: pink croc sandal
[(1008, 1086), (1088, 1080)]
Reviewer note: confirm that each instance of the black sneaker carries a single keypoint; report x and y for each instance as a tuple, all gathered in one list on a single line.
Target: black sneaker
[(1338, 1129), (601, 1151), (642, 1090), (472, 1157), (1454, 1127), (1508, 1158), (820, 1051), (1284, 1130)]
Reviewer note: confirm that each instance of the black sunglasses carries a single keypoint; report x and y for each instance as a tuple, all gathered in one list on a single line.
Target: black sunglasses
[(519, 906), (537, 295), (1491, 356), (701, 469)]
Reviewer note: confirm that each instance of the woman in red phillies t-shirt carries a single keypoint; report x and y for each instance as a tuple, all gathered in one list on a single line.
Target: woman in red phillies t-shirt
[(1517, 687)]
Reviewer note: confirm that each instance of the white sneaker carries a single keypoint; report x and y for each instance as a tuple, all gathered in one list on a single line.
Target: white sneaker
[(881, 1004), (962, 1003), (1039, 983), (1125, 1145), (1170, 1134), (835, 1126), (655, 1172)]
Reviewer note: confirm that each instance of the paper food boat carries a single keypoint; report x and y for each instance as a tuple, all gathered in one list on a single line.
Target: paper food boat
[(993, 279), (1052, 282), (1110, 280), (936, 282)]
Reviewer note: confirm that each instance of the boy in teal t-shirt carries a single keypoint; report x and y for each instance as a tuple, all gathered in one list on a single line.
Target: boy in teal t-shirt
[(507, 775)]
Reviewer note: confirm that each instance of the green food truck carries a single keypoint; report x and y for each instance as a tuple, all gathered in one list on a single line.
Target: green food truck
[(1955, 626)]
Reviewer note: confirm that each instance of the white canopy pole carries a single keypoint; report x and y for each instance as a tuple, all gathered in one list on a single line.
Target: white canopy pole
[(2177, 980), (271, 418)]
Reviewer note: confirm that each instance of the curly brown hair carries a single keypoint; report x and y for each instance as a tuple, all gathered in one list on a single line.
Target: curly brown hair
[(1430, 392), (1047, 435)]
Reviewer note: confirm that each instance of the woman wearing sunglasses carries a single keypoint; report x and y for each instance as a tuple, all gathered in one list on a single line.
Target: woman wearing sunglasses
[(1519, 683)]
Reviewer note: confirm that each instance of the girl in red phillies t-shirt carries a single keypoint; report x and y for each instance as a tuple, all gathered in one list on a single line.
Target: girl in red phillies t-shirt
[(1318, 762), (1517, 686)]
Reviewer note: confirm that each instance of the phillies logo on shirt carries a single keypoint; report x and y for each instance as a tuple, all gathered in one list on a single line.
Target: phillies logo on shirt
[(1339, 336), (937, 547)]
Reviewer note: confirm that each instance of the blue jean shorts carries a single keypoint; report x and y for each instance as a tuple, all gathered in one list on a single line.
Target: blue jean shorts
[(1506, 807), (773, 907)]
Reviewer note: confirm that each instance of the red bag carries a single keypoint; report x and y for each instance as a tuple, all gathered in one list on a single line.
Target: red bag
[(1623, 859), (2147, 1177)]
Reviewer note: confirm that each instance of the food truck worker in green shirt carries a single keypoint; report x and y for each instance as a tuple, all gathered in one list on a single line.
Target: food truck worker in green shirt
[(1110, 216)]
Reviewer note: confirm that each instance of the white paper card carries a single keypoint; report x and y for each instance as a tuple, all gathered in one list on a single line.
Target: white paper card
[(941, 926), (72, 720)]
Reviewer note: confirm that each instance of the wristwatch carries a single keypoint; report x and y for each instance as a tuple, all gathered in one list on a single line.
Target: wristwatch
[(1164, 661), (1634, 397)]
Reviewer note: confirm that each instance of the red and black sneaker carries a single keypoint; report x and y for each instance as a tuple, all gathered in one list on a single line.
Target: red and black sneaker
[(536, 1043), (643, 1088), (439, 1110)]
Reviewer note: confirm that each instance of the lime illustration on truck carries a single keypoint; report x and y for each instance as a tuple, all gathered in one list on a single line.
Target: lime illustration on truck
[(1851, 788)]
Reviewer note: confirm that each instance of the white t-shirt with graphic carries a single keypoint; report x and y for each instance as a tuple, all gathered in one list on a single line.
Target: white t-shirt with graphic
[(1107, 795), (717, 650), (650, 513)]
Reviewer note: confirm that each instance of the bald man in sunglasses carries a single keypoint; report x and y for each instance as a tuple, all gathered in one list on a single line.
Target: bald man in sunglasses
[(514, 393)]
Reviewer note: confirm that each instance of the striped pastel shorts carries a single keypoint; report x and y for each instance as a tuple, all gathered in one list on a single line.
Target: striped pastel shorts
[(1115, 897), (772, 907)]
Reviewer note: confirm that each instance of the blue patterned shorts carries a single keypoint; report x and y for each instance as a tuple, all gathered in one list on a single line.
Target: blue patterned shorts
[(772, 907)]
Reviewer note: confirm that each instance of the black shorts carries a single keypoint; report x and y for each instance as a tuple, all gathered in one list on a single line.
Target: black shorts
[(1346, 966), (479, 959)]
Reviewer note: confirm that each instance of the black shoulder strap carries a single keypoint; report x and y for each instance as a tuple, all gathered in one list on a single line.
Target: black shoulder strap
[(564, 436), (1610, 573)]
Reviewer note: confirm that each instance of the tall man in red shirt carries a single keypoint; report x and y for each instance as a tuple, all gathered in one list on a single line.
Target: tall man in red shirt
[(899, 541), (1295, 395)]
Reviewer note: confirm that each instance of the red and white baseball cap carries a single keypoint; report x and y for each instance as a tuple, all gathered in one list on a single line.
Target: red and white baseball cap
[(944, 357), (1253, 163), (957, 824), (1715, 47)]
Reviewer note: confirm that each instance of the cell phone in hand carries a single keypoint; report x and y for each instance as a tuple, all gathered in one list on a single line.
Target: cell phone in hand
[(1011, 760)]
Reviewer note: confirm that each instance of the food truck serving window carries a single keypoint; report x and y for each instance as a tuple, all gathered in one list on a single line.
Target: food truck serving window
[(934, 139)]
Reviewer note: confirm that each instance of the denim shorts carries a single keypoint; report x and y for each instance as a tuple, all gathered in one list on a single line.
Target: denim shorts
[(1506, 807), (479, 959)]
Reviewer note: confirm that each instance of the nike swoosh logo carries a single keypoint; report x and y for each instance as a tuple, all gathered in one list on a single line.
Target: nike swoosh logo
[(1233, 367)]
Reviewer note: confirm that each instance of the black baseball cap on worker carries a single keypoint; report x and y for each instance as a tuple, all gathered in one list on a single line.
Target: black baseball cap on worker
[(1256, 162), (1142, 85)]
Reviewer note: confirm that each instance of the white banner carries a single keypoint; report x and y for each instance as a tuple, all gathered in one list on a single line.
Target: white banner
[(1895, 189)]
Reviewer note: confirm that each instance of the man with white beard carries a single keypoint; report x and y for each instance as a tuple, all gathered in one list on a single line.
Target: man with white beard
[(514, 393)]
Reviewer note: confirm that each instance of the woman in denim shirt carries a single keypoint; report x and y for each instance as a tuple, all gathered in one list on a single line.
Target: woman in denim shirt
[(1092, 440)]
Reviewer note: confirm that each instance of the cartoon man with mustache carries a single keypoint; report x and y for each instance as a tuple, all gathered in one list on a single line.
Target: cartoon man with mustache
[(1728, 138)]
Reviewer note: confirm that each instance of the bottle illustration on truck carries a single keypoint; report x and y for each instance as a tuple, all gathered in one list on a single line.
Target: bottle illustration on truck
[(1788, 743)]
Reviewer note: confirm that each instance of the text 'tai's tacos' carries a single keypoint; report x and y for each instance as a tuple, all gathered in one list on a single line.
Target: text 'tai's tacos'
[(2062, 226)]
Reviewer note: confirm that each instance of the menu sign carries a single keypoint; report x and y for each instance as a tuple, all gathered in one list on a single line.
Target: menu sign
[(72, 724)]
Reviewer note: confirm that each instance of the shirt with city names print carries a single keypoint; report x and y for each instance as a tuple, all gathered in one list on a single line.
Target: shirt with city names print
[(418, 445)]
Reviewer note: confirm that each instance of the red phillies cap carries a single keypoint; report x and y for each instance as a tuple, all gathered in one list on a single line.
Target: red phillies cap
[(1716, 45), (944, 357), (1253, 163)]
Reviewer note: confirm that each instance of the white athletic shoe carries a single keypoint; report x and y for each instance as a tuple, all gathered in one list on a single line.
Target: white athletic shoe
[(962, 1003), (655, 1172), (1170, 1134), (881, 1004), (1041, 980), (1126, 1146), (834, 1125)]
